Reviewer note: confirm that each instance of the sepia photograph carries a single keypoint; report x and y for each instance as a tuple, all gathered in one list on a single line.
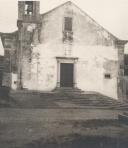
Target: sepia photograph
[(64, 74)]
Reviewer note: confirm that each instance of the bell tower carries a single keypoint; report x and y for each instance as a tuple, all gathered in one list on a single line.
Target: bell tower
[(29, 11), (29, 26)]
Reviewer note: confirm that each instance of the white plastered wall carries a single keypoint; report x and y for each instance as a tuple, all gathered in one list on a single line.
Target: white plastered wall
[(94, 59)]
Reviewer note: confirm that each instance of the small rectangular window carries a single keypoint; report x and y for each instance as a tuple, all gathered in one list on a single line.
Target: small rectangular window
[(29, 7), (107, 76), (68, 24)]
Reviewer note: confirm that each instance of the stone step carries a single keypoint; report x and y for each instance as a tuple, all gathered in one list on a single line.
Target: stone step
[(75, 99), (67, 89), (123, 118), (78, 98)]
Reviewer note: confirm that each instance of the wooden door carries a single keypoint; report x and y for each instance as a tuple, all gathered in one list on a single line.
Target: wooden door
[(66, 74)]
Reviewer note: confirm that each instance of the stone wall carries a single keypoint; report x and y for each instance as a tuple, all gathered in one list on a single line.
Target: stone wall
[(94, 47), (9, 41)]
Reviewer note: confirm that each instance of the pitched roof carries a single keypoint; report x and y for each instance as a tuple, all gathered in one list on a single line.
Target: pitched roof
[(118, 41)]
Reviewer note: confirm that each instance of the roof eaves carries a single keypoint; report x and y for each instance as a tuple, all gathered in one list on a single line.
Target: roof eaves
[(121, 42)]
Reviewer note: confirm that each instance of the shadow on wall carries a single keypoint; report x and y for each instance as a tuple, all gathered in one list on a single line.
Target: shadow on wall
[(4, 92), (5, 99)]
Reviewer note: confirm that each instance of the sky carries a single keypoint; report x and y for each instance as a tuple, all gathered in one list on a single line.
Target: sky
[(111, 14)]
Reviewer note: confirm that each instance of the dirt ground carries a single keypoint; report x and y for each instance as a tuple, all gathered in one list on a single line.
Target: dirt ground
[(28, 121), (62, 128)]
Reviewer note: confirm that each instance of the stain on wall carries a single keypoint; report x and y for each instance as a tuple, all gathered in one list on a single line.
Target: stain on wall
[(97, 50)]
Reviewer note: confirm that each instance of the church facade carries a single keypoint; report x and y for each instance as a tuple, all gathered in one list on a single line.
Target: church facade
[(63, 48)]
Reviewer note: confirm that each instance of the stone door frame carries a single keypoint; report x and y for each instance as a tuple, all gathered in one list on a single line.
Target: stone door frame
[(71, 60)]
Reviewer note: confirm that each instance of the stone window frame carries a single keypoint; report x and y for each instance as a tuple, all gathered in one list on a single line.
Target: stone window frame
[(68, 34)]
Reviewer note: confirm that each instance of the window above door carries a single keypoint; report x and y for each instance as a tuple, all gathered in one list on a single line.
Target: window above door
[(68, 24), (68, 33)]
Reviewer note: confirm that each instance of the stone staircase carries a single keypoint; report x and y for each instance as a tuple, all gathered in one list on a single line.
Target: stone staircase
[(65, 98), (88, 99)]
